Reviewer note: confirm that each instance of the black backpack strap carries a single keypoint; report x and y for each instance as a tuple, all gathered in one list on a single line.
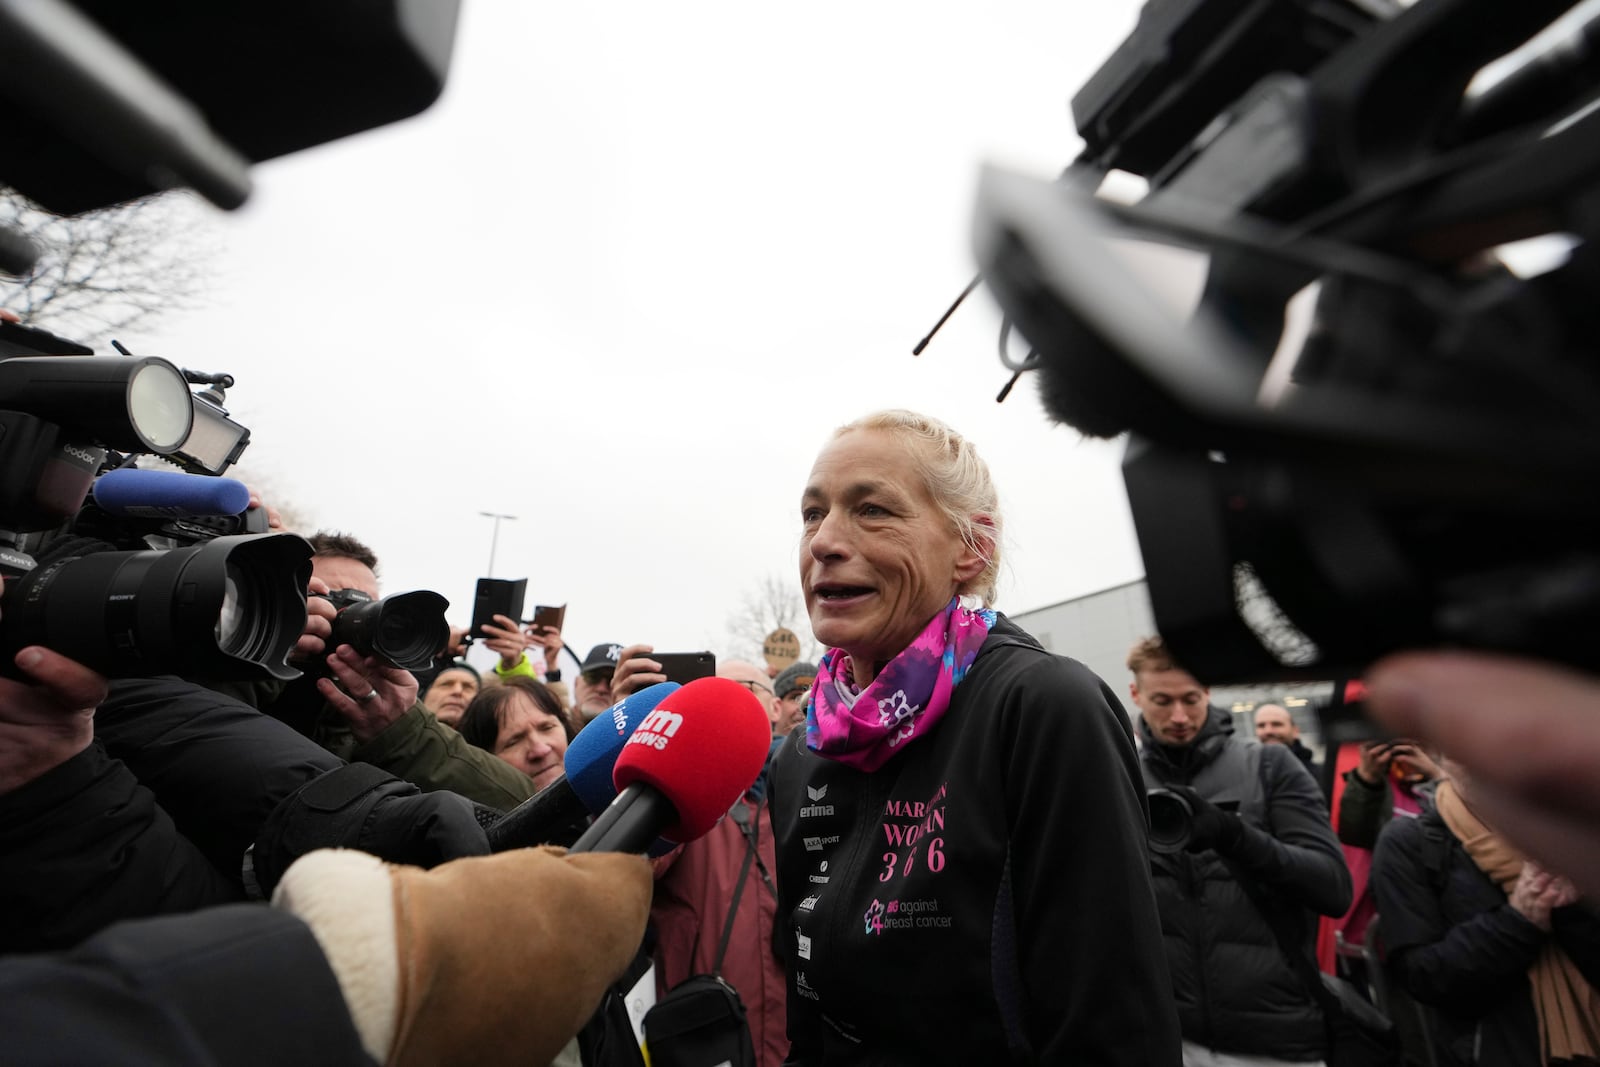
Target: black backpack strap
[(741, 817), (1436, 854)]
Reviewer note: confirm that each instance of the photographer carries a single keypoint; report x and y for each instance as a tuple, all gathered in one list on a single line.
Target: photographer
[(365, 711), (1239, 998)]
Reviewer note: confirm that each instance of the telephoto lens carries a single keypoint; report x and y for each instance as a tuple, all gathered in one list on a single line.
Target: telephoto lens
[(231, 608), (1171, 821), (404, 630)]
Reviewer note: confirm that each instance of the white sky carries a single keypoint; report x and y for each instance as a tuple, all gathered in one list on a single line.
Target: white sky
[(624, 278)]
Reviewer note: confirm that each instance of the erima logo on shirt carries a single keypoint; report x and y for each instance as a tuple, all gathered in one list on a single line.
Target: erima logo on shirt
[(657, 729), (814, 809)]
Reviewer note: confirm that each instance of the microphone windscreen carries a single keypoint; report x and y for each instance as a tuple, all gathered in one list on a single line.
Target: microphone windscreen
[(702, 747), (592, 755), (168, 494)]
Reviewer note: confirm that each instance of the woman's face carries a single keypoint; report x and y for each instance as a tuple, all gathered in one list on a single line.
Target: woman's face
[(531, 740), (878, 559)]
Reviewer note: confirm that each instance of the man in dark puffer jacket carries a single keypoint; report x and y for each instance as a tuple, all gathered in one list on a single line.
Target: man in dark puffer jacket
[(1257, 815)]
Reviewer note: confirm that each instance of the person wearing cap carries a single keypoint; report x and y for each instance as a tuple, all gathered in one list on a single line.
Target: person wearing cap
[(366, 712), (591, 693), (793, 687)]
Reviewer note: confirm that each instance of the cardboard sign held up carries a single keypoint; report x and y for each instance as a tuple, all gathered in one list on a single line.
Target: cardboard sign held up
[(781, 648)]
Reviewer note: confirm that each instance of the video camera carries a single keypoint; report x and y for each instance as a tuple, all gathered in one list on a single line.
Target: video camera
[(105, 102), (194, 594), (1408, 470)]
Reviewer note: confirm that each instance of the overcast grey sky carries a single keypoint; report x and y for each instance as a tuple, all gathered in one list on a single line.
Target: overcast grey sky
[(624, 278)]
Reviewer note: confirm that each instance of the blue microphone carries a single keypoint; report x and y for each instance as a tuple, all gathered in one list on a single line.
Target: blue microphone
[(168, 494), (592, 755)]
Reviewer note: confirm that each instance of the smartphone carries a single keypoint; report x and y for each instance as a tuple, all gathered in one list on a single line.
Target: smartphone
[(683, 667), (496, 596), (548, 618)]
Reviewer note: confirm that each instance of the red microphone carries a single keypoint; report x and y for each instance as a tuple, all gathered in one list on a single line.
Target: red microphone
[(684, 766)]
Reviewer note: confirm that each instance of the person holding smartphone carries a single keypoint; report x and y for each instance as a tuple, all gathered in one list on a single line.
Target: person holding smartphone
[(1390, 780), (512, 641)]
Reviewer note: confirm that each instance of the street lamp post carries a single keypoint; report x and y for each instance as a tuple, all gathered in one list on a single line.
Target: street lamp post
[(494, 538)]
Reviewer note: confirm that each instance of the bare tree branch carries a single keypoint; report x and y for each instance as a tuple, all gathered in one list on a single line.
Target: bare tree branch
[(111, 270), (774, 602)]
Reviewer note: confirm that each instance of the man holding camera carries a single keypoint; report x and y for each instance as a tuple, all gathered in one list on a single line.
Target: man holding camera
[(1260, 853), (364, 711)]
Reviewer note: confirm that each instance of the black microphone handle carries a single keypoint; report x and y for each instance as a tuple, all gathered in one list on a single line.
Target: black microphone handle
[(631, 824), (535, 820)]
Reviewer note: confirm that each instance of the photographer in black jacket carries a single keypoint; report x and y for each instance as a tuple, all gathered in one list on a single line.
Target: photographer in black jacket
[(1236, 992)]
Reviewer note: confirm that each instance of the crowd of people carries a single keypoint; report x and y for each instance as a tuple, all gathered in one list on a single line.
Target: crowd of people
[(945, 859)]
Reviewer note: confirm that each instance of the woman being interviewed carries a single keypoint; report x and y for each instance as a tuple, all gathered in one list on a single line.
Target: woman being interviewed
[(960, 826)]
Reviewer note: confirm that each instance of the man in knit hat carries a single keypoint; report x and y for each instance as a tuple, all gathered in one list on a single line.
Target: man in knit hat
[(793, 687)]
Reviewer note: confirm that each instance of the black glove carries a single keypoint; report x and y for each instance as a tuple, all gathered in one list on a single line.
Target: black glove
[(1210, 826)]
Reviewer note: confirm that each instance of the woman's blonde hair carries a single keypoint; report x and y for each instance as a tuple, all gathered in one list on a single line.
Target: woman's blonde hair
[(958, 480)]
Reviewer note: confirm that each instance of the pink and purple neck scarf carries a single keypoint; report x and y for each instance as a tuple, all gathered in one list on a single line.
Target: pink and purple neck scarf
[(863, 728)]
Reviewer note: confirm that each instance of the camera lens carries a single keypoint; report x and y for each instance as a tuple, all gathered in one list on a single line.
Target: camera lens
[(233, 607), (1171, 821), (232, 612), (404, 630)]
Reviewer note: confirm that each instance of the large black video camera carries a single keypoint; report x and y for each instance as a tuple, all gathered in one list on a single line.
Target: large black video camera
[(189, 595), (105, 102), (1411, 468)]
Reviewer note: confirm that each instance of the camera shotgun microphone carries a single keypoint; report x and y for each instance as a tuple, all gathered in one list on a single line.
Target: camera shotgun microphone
[(688, 762), (585, 787), (135, 493)]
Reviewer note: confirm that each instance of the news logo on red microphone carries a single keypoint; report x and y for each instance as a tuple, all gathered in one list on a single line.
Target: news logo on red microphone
[(657, 729)]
